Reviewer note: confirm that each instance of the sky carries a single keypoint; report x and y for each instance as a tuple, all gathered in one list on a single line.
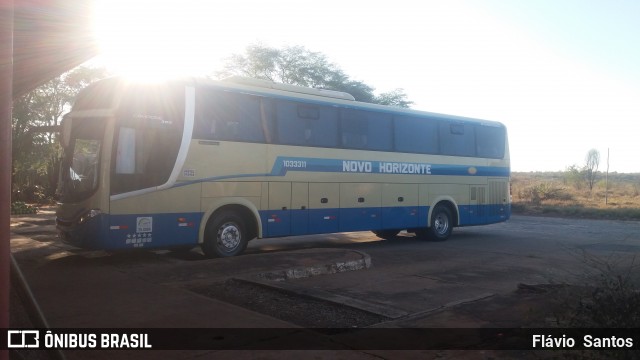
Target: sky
[(562, 75)]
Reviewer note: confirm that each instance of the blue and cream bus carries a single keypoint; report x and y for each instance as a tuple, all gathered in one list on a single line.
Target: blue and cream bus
[(216, 164)]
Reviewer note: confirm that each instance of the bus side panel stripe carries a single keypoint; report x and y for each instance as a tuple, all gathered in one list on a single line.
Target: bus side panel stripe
[(284, 164), (153, 230), (333, 220), (358, 166), (483, 214)]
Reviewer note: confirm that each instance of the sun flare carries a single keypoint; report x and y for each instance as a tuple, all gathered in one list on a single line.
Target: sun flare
[(147, 40)]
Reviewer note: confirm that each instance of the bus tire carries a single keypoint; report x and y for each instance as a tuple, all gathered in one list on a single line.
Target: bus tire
[(225, 235), (386, 234), (441, 224)]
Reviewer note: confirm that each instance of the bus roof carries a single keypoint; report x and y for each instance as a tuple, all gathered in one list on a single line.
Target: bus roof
[(291, 88), (297, 93), (301, 93)]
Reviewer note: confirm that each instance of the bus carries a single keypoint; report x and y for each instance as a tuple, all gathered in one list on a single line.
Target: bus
[(215, 164)]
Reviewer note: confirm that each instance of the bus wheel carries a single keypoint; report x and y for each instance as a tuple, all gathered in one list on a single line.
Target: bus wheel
[(386, 234), (441, 224), (225, 236)]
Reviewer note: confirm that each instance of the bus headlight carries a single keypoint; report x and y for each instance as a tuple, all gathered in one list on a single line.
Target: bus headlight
[(89, 215)]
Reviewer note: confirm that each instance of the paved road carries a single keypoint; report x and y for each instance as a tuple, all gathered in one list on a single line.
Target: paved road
[(417, 276), (410, 283), (413, 275)]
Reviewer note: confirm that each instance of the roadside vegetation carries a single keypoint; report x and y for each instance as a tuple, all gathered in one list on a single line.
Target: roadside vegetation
[(568, 194), (606, 295), (36, 151), (579, 191)]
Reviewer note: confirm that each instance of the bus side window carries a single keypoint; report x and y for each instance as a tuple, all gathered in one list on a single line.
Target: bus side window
[(354, 133), (416, 135), (366, 130), (247, 124), (126, 152), (310, 114), (228, 116), (457, 139), (148, 138), (306, 125)]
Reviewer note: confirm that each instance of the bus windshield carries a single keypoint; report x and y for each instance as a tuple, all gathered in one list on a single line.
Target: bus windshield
[(80, 163)]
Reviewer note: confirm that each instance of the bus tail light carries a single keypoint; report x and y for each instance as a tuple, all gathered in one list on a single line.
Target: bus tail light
[(184, 222)]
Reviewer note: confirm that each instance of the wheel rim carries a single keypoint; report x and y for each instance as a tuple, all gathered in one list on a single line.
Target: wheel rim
[(229, 237), (441, 224)]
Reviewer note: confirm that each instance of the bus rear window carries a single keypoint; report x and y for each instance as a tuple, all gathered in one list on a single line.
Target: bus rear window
[(490, 141)]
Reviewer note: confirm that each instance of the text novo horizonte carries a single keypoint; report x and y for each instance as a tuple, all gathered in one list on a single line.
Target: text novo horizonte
[(384, 167)]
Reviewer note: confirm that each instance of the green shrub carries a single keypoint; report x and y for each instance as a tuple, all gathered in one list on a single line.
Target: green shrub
[(614, 299), (544, 191), (20, 208)]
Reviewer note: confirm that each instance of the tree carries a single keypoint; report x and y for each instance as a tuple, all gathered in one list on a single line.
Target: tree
[(591, 167), (396, 97), (36, 152), (298, 66), (575, 176)]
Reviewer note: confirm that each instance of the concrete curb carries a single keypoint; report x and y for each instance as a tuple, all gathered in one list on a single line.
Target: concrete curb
[(364, 262), (277, 280), (317, 294)]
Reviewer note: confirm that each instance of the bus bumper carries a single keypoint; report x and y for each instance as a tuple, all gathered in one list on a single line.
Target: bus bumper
[(86, 233)]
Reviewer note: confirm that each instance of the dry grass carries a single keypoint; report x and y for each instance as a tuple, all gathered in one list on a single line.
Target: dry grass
[(565, 194)]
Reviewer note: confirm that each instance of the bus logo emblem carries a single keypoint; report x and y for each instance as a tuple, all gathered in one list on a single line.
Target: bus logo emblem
[(23, 339), (144, 224)]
